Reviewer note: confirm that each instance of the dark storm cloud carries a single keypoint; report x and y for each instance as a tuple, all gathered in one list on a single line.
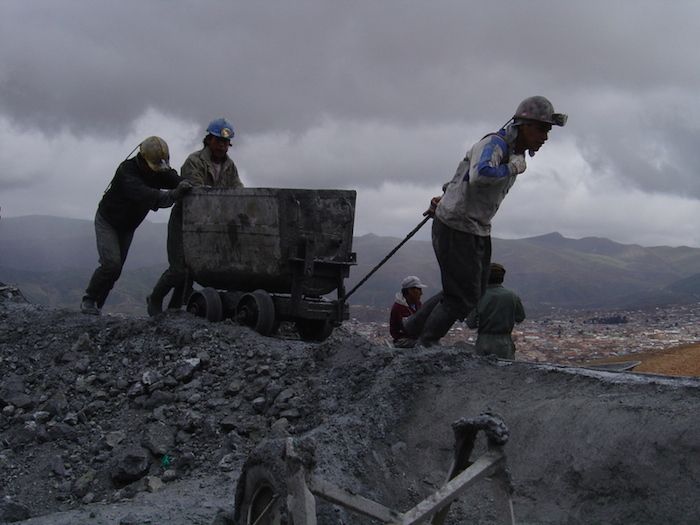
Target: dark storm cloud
[(283, 65), (356, 94)]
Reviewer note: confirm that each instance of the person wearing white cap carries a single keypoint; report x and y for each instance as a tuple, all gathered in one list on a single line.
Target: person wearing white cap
[(407, 303)]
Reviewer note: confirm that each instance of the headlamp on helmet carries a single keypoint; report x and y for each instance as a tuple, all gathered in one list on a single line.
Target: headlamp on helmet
[(539, 109), (559, 119), (221, 128)]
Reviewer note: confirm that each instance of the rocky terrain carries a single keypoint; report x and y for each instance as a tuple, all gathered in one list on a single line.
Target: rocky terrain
[(132, 420)]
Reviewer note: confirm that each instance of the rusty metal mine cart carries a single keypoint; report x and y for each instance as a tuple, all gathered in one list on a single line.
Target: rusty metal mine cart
[(266, 255)]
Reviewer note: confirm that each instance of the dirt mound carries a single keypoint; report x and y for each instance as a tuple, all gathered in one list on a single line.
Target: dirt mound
[(125, 420)]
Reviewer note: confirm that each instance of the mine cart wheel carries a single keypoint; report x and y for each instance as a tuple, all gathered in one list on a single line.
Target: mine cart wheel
[(314, 329), (206, 303), (257, 310)]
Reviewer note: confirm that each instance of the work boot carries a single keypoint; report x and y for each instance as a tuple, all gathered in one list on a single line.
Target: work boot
[(88, 306), (436, 326), (154, 305), (413, 324), (160, 290)]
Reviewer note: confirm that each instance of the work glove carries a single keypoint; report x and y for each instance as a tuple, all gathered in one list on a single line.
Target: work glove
[(184, 187), (516, 164), (430, 212), (168, 198)]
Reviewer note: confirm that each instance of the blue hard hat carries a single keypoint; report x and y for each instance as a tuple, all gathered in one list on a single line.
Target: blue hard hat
[(220, 128)]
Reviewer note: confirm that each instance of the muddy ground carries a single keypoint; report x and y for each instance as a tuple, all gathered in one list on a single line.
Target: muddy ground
[(114, 420)]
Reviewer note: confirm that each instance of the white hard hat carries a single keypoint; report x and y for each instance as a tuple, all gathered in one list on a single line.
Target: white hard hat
[(412, 282)]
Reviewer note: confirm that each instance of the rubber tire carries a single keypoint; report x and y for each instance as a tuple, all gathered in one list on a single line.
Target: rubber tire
[(257, 310), (262, 483), (314, 329), (206, 303)]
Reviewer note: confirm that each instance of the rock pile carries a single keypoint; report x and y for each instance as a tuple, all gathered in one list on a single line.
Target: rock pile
[(99, 409), (161, 413)]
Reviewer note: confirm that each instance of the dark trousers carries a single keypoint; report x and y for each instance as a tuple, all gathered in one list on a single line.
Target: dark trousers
[(413, 324), (464, 261), (175, 277), (112, 248)]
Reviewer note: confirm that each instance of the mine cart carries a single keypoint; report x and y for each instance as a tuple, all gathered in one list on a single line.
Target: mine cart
[(266, 255)]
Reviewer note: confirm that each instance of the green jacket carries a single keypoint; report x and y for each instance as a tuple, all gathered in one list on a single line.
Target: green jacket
[(495, 316), (199, 169)]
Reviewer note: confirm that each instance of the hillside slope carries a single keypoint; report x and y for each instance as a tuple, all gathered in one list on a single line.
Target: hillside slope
[(51, 259), (135, 420)]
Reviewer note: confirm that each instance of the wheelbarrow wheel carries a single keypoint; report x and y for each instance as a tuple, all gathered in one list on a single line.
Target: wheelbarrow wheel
[(257, 310), (206, 303), (264, 497), (261, 491), (314, 329)]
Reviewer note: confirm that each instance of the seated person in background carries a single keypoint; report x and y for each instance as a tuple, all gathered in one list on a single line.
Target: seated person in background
[(407, 303), (495, 316)]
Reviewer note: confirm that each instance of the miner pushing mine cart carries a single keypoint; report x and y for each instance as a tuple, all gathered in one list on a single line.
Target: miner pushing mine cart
[(267, 255)]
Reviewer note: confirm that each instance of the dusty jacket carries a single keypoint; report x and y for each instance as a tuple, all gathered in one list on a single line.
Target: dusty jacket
[(480, 184), (497, 311), (134, 191), (199, 169), (399, 310)]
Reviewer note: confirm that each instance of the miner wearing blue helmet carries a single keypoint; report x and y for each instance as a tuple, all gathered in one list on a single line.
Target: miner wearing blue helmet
[(210, 166)]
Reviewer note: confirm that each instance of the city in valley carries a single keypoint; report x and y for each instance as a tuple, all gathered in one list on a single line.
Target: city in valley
[(581, 336)]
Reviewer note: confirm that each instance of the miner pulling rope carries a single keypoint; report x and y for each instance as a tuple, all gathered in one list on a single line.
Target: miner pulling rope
[(462, 215)]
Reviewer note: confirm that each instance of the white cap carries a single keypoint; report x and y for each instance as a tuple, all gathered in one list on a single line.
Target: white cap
[(412, 282)]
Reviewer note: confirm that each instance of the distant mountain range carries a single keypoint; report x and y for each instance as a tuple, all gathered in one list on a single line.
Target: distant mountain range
[(52, 258)]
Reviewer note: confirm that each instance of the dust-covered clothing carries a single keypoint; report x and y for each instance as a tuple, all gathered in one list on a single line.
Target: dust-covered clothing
[(464, 261), (133, 192), (462, 228), (495, 315), (200, 170), (400, 310), (112, 249), (479, 185)]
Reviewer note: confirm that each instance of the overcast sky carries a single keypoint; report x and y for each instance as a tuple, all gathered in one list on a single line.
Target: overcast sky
[(380, 96)]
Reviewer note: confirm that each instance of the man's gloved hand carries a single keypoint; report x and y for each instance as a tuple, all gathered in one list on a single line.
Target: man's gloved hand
[(184, 187), (430, 212), (517, 164)]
